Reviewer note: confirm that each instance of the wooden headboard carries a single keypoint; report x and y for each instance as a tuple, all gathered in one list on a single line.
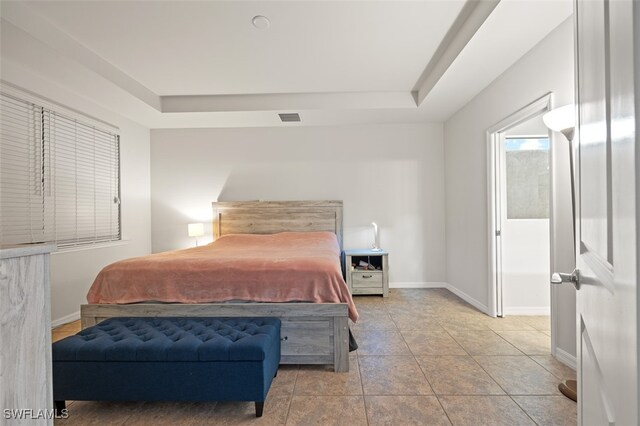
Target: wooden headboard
[(270, 217)]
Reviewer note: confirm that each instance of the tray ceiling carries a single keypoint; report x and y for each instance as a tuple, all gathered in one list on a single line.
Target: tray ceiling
[(205, 60)]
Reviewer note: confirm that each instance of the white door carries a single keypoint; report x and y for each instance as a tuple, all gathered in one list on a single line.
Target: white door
[(606, 212)]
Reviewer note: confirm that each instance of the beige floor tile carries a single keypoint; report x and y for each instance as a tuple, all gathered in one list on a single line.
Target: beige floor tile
[(412, 308), (392, 375), (405, 410), (415, 322), (555, 367), (484, 410), (373, 304), (483, 342), (71, 326), (451, 323), (539, 322), (226, 413), (165, 413), (519, 375), (327, 410), (406, 294), (285, 381), (322, 380), (372, 310), (528, 342), (59, 335), (90, 413), (368, 300), (410, 311), (396, 387), (549, 410), (380, 342), (431, 341), (455, 305), (375, 321), (465, 313), (509, 324), (457, 375)]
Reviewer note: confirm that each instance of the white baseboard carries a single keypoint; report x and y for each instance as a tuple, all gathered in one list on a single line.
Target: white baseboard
[(417, 285), (464, 296), (524, 310), (566, 358), (65, 319)]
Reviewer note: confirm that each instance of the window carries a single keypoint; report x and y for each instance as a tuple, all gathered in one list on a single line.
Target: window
[(527, 164), (59, 177)]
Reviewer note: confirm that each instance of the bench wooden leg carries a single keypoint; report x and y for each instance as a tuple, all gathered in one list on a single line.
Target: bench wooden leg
[(59, 406), (259, 408)]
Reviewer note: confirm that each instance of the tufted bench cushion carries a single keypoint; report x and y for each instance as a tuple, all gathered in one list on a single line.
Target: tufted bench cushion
[(195, 359), (172, 339)]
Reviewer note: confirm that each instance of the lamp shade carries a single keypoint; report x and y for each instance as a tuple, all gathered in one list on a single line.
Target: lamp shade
[(376, 237), (560, 119), (196, 229)]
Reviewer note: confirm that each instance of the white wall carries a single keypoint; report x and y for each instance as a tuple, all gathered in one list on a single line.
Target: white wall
[(390, 174), (548, 67), (25, 63)]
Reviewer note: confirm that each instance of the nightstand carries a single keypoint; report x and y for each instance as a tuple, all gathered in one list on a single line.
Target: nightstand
[(368, 281)]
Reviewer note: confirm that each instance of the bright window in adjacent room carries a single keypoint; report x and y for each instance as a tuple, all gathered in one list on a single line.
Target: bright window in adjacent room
[(527, 168), (59, 176)]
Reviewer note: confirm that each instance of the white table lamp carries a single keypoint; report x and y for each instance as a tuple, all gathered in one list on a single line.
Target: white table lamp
[(196, 230), (376, 238)]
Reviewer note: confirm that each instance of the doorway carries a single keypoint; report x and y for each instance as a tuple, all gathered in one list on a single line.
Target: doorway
[(524, 220), (519, 182)]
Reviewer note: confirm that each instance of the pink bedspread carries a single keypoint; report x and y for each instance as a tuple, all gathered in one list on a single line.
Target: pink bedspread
[(285, 267)]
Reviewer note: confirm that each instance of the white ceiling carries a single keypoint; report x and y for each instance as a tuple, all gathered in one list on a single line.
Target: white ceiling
[(203, 48), (336, 62)]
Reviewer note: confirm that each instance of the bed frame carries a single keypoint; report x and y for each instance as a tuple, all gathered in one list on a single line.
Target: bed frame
[(312, 333)]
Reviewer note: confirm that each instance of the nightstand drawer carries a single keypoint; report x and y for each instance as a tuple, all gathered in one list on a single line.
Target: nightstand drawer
[(366, 279)]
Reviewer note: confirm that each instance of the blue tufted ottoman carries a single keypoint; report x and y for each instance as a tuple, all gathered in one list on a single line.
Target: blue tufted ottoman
[(168, 359)]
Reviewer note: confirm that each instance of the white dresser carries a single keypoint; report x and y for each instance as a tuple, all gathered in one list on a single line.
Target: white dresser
[(25, 335)]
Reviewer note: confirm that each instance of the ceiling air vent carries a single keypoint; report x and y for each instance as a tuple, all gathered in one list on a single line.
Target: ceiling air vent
[(289, 117)]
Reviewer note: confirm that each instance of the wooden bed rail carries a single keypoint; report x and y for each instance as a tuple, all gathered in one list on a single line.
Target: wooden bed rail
[(312, 333)]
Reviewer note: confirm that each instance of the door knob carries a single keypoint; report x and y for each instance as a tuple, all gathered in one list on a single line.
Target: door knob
[(573, 278)]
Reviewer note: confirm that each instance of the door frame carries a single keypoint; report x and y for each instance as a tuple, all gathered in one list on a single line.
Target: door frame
[(494, 137)]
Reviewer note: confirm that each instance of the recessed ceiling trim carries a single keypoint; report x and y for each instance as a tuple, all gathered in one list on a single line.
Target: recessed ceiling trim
[(473, 14), (287, 101), (22, 16)]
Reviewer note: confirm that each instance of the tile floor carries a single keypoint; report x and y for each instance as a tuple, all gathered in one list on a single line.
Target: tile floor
[(425, 358)]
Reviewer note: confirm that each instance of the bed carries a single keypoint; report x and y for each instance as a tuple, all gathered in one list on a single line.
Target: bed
[(312, 333)]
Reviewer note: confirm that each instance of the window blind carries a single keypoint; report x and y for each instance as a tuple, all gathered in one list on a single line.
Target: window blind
[(59, 177)]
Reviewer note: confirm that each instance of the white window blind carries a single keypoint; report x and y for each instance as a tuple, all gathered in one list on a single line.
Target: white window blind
[(21, 161), (59, 177)]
